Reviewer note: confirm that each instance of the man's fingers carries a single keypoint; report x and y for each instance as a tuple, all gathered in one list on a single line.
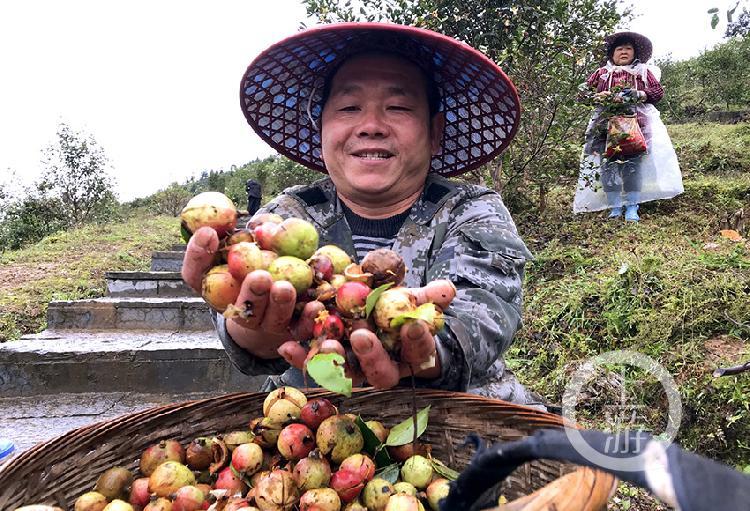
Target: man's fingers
[(254, 295), (293, 353), (376, 364), (439, 292), (199, 256), (417, 343), (332, 346), (280, 307)]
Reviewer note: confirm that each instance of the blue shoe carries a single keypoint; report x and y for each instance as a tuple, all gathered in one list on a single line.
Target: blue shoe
[(6, 447), (631, 213), (615, 212)]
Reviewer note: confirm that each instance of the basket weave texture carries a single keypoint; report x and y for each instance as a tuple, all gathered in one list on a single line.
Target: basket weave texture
[(58, 471)]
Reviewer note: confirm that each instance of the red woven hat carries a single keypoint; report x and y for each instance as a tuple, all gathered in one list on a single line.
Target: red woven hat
[(282, 90)]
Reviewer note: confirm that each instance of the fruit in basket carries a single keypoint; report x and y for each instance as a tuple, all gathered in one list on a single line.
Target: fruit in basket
[(403, 502), (229, 480), (247, 458), (139, 494), (340, 437), (360, 465), (284, 404), (417, 470), (317, 410), (320, 499), (295, 441), (239, 504), (266, 431), (385, 266), (188, 498), (347, 484), (169, 477), (211, 209), (118, 505), (219, 288), (355, 506), (294, 270), (156, 454), (198, 454), (114, 482), (295, 237), (159, 504), (404, 487), (312, 472), (276, 492), (436, 491), (376, 494), (406, 451), (235, 438), (378, 430), (92, 501)]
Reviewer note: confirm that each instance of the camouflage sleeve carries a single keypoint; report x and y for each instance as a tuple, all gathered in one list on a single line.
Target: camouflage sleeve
[(484, 257)]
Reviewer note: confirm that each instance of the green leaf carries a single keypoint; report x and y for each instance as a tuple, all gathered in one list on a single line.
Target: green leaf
[(372, 298), (403, 433), (185, 234), (389, 473), (713, 10), (327, 369), (373, 446), (714, 20), (426, 312), (444, 470)]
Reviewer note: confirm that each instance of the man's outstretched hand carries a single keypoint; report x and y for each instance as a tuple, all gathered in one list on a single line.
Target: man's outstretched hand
[(375, 363)]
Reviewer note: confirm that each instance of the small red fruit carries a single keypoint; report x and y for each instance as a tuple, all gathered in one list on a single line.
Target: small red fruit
[(328, 326), (316, 411), (347, 484), (295, 441), (351, 298)]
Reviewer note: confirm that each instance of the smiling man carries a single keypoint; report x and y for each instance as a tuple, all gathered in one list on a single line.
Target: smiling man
[(388, 112)]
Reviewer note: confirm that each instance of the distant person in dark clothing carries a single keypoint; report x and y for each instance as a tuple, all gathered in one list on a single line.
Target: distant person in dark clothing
[(252, 187)]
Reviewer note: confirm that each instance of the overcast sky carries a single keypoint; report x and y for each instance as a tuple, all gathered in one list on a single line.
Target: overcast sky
[(157, 82)]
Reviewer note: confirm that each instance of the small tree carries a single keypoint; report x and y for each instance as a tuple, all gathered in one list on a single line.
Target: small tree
[(77, 174), (171, 200)]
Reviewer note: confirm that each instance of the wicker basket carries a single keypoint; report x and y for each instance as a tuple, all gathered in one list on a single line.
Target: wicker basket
[(58, 471)]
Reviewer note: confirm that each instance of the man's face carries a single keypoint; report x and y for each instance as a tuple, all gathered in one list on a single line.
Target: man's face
[(377, 136), (623, 54)]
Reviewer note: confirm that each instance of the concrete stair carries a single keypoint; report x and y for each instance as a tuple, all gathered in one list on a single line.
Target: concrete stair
[(151, 341), (147, 283)]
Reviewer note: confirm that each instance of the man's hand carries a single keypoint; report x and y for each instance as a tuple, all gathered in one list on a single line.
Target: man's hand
[(375, 363), (269, 305)]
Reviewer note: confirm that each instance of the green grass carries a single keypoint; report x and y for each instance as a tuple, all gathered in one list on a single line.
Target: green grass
[(70, 265), (670, 287)]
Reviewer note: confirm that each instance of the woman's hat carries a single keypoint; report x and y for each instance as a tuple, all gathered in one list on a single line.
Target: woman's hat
[(281, 91), (641, 44)]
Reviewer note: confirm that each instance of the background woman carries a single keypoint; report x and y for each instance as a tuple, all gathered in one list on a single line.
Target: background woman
[(626, 84)]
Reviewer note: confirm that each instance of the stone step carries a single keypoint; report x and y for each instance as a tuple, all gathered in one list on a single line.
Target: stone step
[(178, 247), (147, 283), (167, 260), (118, 361), (27, 421), (131, 313)]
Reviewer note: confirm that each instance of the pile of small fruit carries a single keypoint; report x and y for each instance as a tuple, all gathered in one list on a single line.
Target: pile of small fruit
[(301, 454), (367, 295)]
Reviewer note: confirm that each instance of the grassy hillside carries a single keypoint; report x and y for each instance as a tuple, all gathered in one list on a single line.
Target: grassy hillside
[(670, 287), (70, 265)]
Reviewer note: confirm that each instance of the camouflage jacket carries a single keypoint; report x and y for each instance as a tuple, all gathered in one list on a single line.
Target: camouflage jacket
[(454, 231)]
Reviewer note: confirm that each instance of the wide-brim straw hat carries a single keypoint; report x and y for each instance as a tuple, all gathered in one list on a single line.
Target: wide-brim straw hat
[(641, 44), (282, 90)]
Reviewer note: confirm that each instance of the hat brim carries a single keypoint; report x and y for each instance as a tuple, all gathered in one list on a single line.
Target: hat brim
[(282, 89), (643, 47)]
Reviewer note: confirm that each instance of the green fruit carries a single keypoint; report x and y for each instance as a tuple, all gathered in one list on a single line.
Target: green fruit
[(294, 270), (295, 237)]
